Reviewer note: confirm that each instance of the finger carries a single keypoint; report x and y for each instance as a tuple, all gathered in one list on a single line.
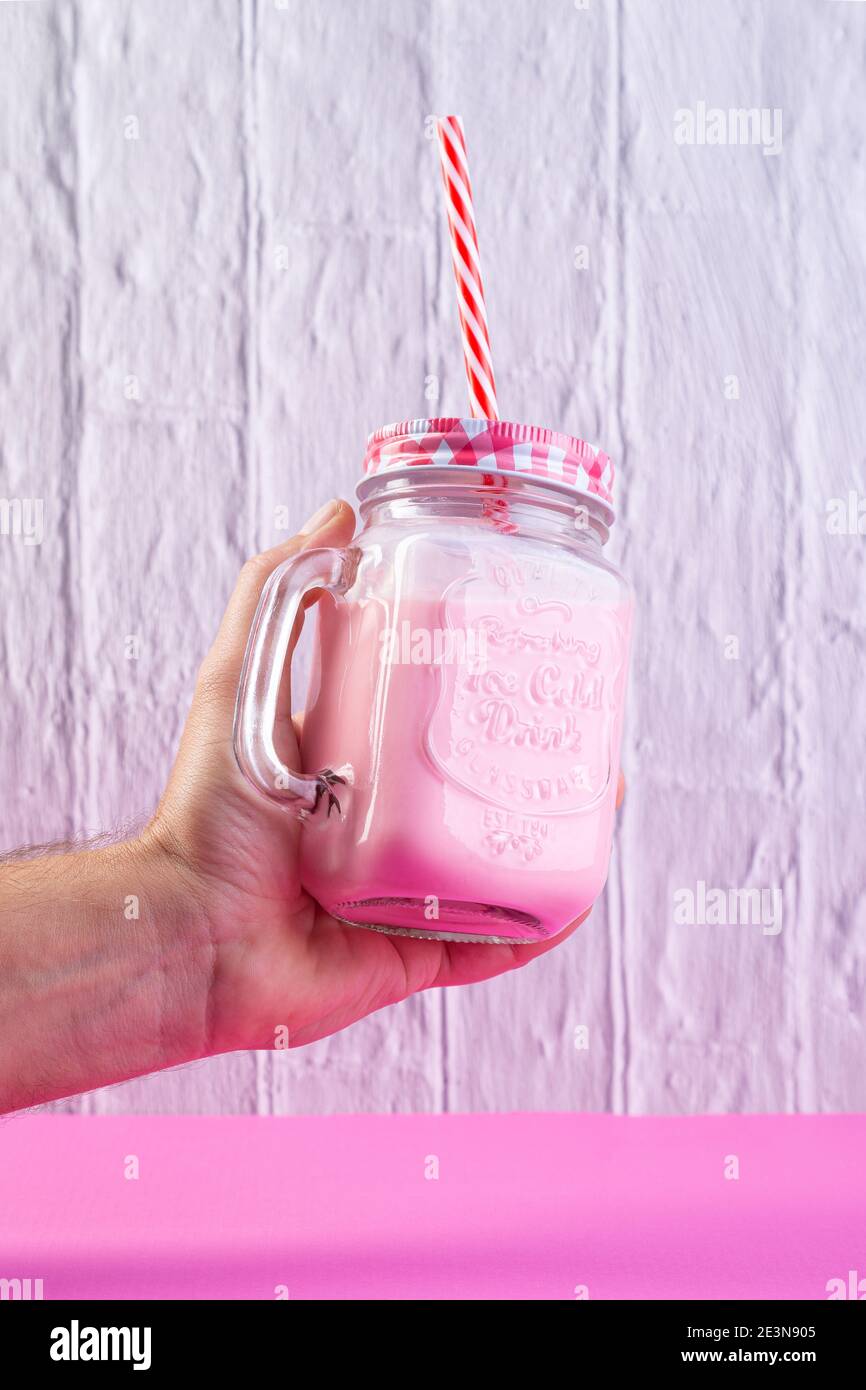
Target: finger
[(333, 525), (466, 963), (524, 954), (439, 964)]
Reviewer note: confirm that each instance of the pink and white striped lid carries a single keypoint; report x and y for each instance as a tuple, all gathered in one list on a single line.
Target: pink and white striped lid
[(492, 446)]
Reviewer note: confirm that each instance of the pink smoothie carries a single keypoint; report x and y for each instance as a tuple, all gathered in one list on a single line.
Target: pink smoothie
[(482, 730)]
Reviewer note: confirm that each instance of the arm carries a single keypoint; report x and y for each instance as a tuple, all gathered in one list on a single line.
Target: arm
[(104, 971), (197, 937)]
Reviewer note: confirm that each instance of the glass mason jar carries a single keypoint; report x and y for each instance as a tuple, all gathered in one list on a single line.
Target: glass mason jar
[(461, 738)]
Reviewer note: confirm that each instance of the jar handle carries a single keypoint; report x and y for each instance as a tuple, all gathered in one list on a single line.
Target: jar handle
[(258, 693)]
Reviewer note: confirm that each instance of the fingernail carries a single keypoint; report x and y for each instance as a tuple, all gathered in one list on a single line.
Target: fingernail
[(318, 519)]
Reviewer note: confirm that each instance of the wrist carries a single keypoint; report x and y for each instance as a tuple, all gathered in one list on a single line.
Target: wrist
[(174, 919), (105, 964)]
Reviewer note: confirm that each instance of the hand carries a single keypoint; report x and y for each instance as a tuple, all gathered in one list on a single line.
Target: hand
[(197, 937), (278, 959)]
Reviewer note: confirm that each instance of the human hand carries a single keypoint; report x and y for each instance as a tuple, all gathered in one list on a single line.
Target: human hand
[(274, 958), (196, 937)]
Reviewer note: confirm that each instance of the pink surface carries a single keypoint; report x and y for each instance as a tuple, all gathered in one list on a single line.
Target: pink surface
[(525, 1206)]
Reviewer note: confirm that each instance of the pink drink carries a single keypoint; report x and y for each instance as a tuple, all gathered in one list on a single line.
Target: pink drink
[(460, 799), (468, 685)]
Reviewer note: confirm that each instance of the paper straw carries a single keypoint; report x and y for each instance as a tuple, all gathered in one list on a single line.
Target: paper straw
[(467, 268)]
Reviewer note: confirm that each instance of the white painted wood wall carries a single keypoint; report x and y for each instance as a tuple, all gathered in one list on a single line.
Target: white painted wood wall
[(301, 125)]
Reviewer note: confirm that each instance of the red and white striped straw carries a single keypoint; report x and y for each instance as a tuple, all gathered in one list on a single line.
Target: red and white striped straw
[(467, 268)]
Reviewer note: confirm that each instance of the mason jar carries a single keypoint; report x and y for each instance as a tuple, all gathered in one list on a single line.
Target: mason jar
[(460, 743)]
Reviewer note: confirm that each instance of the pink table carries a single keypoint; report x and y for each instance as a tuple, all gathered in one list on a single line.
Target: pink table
[(524, 1206)]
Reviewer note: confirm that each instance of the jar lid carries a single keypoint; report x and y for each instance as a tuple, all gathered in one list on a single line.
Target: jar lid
[(494, 446)]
